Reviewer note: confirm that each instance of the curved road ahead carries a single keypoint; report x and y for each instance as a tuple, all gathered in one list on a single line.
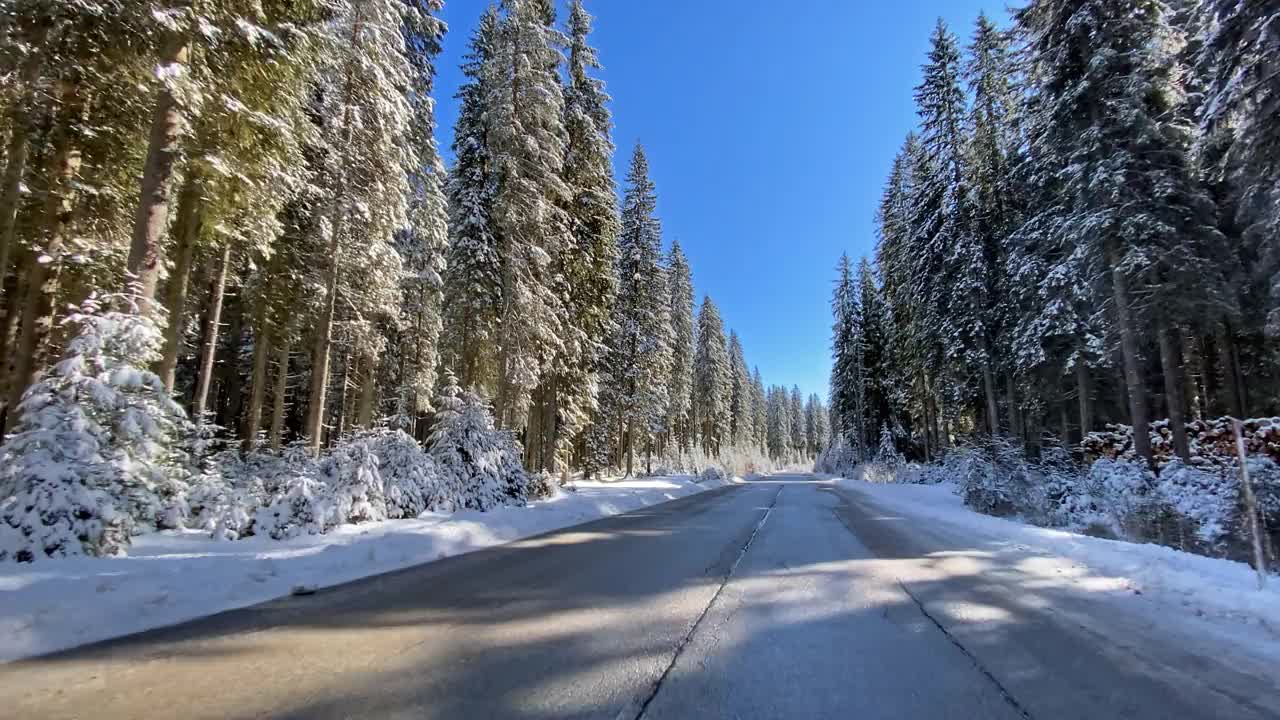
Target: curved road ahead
[(786, 598)]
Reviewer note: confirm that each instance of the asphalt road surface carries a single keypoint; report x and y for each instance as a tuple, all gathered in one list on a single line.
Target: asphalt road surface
[(779, 599)]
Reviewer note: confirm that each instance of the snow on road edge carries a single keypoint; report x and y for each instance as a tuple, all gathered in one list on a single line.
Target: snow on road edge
[(174, 576), (1207, 588)]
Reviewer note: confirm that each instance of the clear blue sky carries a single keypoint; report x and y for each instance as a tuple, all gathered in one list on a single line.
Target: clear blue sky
[(770, 128)]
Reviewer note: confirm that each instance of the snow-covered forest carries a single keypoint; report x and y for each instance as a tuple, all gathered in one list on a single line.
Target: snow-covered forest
[(242, 293), (1077, 274)]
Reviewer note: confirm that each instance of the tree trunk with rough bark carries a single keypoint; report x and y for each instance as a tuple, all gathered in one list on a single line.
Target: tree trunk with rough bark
[(1134, 377), (209, 344), (151, 218), (258, 377), (989, 389), (1171, 367), (278, 396), (1083, 398), (187, 227), (38, 306), (1015, 413), (368, 391), (15, 168)]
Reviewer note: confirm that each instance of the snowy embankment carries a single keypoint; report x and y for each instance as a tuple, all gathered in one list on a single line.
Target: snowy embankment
[(1203, 587), (173, 576)]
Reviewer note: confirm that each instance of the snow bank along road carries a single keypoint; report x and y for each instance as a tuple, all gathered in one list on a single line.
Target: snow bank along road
[(787, 598)]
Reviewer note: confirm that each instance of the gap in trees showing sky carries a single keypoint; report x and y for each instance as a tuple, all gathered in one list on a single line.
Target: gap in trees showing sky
[(770, 128)]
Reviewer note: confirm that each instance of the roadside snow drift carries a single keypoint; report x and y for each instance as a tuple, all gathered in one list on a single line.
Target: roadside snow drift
[(1196, 587), (173, 576)]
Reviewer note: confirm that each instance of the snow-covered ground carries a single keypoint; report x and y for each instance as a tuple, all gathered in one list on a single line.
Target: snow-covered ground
[(174, 576), (1213, 595)]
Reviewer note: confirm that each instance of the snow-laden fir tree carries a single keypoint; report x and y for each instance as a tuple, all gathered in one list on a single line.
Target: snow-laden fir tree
[(97, 454), (414, 348), (1119, 165), (1239, 142), (473, 271), (875, 361), (779, 423), (848, 377), (712, 380), (638, 364), (938, 211), (740, 394), (367, 134), (524, 108), (759, 411), (585, 269), (978, 261), (795, 406), (680, 309), (479, 465)]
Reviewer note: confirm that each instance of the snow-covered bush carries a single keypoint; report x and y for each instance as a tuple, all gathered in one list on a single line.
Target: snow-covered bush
[(408, 474), (302, 506), (351, 472), (713, 473), (542, 485), (838, 459), (887, 453), (479, 465), (96, 452)]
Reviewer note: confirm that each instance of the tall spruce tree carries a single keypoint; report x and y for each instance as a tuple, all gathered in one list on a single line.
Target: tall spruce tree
[(473, 270), (638, 365), (712, 380), (1105, 78), (680, 308), (525, 125)]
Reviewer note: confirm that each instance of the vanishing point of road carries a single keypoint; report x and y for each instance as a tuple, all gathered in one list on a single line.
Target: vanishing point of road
[(783, 598)]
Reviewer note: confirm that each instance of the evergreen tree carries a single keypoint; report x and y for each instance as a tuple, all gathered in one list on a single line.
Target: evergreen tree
[(759, 411), (524, 109), (473, 270), (1128, 201), (795, 406), (585, 270), (680, 284), (740, 394), (639, 358), (712, 380)]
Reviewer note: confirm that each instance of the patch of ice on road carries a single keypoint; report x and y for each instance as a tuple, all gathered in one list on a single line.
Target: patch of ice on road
[(173, 576)]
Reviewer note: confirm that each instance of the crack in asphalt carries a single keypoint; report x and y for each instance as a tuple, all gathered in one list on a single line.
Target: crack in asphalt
[(636, 709), (1004, 692)]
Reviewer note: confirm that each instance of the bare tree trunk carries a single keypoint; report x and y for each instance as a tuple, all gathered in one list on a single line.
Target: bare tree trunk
[(629, 440), (16, 153), (190, 216), (258, 377), (14, 286), (278, 395), (1210, 390), (324, 328), (368, 390), (209, 344), (151, 218), (320, 350), (989, 389), (38, 308), (1083, 393), (1134, 378), (1171, 366), (1015, 412)]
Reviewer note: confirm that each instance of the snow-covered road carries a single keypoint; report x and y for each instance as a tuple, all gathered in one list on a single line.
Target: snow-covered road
[(761, 600)]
